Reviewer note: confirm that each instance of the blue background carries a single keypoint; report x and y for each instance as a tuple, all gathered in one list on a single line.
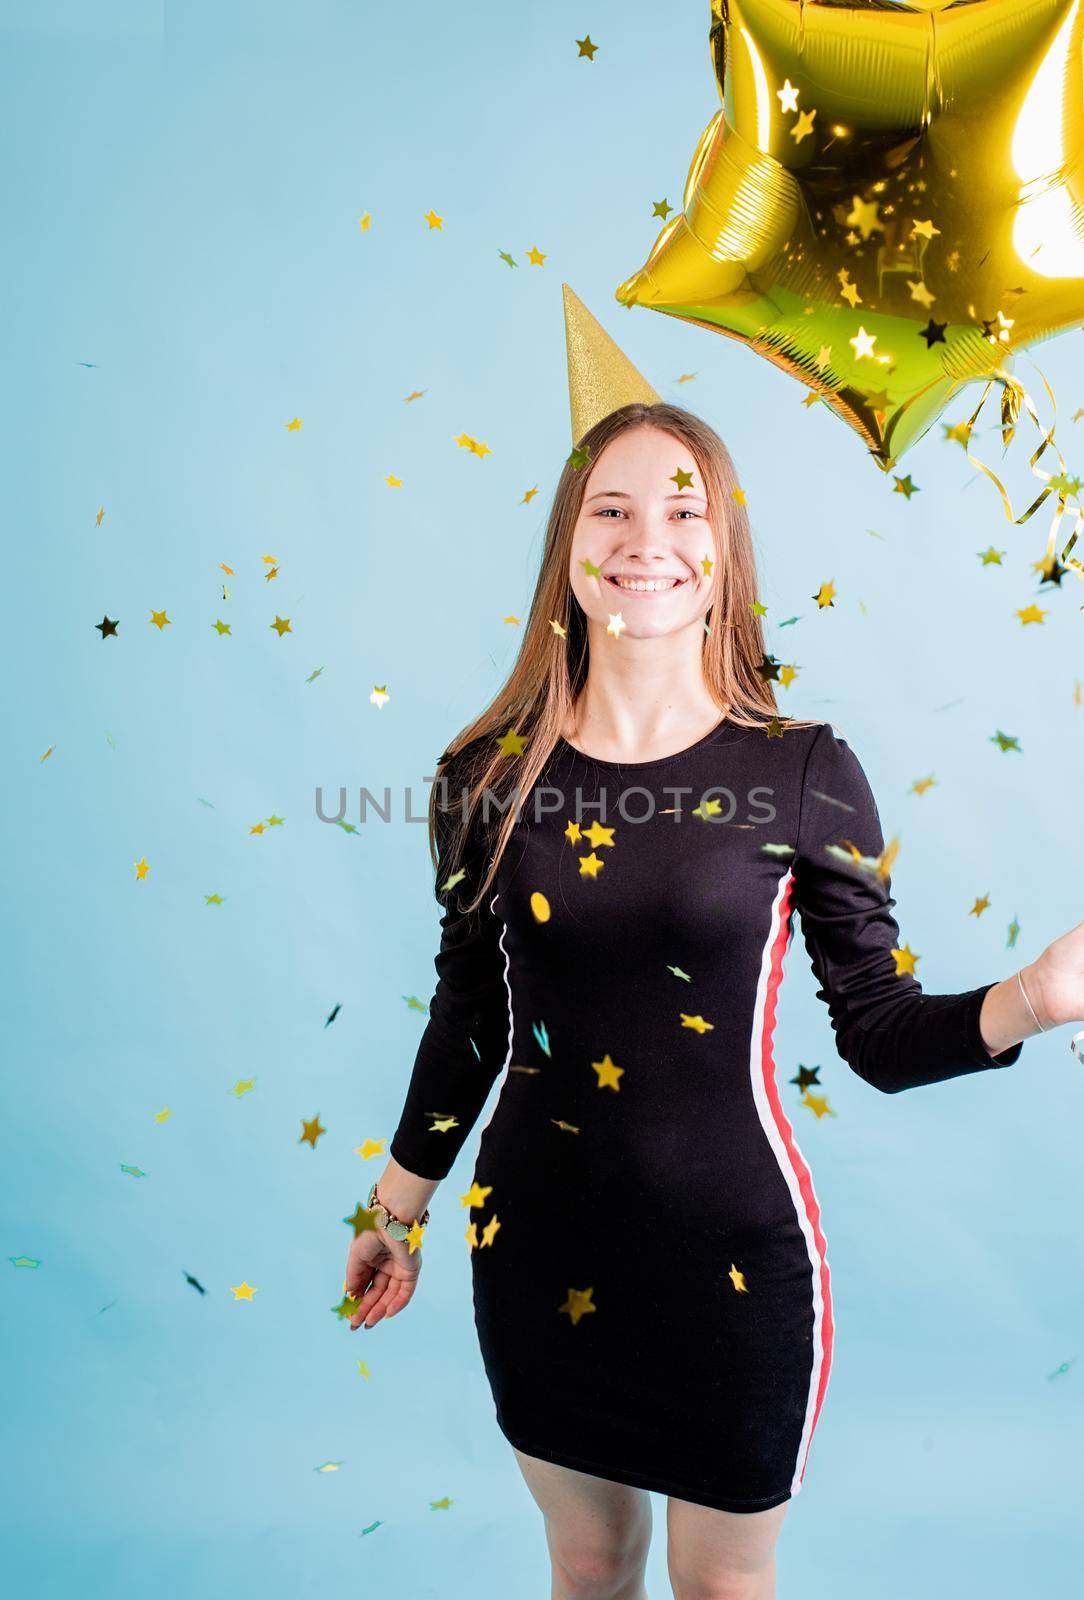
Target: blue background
[(183, 193)]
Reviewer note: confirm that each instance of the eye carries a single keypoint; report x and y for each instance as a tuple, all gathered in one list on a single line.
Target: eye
[(682, 511)]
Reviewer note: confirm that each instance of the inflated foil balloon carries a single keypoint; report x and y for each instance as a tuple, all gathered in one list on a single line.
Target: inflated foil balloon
[(889, 202)]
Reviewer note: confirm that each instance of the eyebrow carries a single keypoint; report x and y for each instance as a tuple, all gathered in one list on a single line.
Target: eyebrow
[(619, 494)]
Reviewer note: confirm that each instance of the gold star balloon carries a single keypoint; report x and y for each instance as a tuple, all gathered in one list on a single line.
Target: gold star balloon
[(890, 200)]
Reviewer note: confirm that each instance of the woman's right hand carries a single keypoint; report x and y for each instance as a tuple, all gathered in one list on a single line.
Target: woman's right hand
[(381, 1274)]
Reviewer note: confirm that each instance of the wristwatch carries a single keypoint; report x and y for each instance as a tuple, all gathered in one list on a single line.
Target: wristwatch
[(393, 1226)]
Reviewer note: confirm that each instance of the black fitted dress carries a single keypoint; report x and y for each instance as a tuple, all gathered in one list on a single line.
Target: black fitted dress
[(651, 1286)]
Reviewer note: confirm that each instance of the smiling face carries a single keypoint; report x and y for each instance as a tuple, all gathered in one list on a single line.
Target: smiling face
[(644, 524)]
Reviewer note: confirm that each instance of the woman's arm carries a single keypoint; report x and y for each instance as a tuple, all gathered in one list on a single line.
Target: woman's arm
[(888, 1030), (465, 1043)]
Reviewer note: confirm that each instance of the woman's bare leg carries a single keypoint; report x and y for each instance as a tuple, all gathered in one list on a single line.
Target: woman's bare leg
[(598, 1531), (721, 1555)]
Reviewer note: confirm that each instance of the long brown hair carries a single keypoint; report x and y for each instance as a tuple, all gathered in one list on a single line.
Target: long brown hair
[(536, 699)]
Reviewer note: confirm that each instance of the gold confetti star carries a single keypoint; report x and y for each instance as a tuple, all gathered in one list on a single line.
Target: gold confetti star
[(141, 869), (697, 1023), (512, 743), (959, 431), (380, 695), (803, 126), (586, 48), (591, 866), (365, 222), (981, 904), (863, 343), (920, 293), (361, 1220), (924, 230), (1030, 613), (475, 446), (578, 1303), (863, 216), (243, 1291), (905, 960), (160, 620), (737, 1278), (433, 220), (818, 1104), (597, 835), (311, 1131), (294, 426), (243, 1086), (535, 257), (825, 595), (371, 1147), (608, 1073), (787, 96), (682, 478), (616, 624)]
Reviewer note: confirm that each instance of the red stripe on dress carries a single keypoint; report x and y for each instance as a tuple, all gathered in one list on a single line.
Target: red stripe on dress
[(797, 1160)]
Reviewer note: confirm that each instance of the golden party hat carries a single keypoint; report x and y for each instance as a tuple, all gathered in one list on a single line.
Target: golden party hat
[(600, 376)]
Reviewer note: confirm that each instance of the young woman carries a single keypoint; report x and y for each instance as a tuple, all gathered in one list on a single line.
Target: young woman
[(651, 1286)]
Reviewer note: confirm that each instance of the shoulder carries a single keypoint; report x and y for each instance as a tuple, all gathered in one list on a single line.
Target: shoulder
[(835, 788), (462, 762)]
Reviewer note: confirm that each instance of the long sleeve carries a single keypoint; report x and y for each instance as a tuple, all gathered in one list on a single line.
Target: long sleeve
[(890, 1032), (465, 1042)]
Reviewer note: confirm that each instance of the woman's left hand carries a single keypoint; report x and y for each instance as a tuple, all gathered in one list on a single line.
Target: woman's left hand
[(1055, 980)]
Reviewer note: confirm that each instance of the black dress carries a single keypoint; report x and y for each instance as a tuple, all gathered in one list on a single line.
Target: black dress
[(651, 1286)]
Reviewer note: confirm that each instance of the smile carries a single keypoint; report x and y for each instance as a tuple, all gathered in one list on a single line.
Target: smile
[(645, 585)]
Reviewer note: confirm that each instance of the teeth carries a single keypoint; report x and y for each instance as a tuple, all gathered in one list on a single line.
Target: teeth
[(644, 585)]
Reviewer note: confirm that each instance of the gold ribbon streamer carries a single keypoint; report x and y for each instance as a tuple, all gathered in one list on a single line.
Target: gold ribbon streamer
[(1014, 396)]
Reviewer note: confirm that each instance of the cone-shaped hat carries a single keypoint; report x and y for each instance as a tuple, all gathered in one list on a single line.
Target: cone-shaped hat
[(600, 376)]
